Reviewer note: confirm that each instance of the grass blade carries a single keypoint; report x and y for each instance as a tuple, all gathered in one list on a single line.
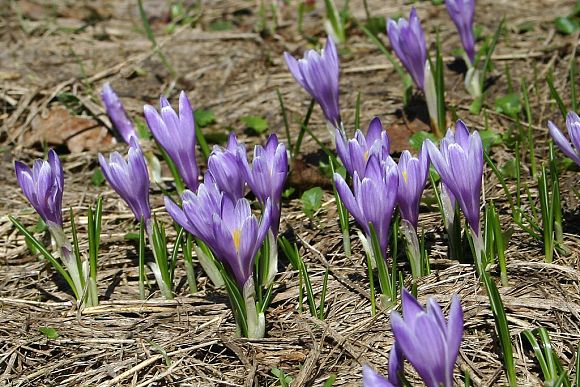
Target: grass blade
[(501, 326)]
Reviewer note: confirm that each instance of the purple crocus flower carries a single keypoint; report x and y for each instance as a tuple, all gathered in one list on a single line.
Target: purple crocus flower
[(226, 165), (226, 225), (176, 134), (267, 175), (461, 12), (373, 379), (408, 40), (459, 162), (413, 172), (429, 343), (318, 75), (117, 113), (373, 197), (43, 186), (129, 179), (354, 153), (573, 126)]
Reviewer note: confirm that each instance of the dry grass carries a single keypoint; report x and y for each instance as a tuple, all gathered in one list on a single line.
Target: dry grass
[(191, 340)]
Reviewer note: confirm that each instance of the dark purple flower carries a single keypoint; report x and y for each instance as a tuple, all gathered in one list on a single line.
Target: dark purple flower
[(267, 175), (226, 165), (413, 172), (43, 186), (129, 179), (573, 126), (354, 153), (461, 12), (117, 113), (408, 40), (429, 342), (227, 226), (459, 162), (176, 134), (318, 75), (373, 197)]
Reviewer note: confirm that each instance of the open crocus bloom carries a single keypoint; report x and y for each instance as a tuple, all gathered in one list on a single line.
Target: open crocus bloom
[(429, 342), (43, 186), (355, 152)]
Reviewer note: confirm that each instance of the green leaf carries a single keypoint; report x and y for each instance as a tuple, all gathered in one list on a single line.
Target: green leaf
[(40, 226), (508, 104), (131, 236), (204, 118), (526, 26), (509, 168), (97, 178), (566, 25), (437, 2), (142, 129), (221, 25), (285, 380), (256, 123), (49, 332), (311, 201), (376, 25), (288, 192), (416, 140), (330, 381), (489, 138)]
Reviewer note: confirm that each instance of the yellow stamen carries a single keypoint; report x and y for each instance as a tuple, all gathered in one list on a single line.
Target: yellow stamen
[(236, 236), (367, 155), (405, 177)]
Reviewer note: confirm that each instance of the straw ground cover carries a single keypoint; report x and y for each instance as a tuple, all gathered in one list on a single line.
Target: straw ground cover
[(55, 59)]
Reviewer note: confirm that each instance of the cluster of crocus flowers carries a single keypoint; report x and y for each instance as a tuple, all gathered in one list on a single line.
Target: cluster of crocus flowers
[(408, 41), (43, 187), (375, 175), (459, 162), (220, 216), (426, 340), (573, 127), (318, 75)]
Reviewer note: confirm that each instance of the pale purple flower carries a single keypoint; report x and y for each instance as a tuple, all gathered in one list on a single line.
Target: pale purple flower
[(43, 186), (459, 162), (373, 197), (461, 12), (117, 113), (408, 40), (354, 153), (318, 75), (176, 134), (573, 126), (267, 175), (413, 172), (129, 179), (226, 225), (226, 165), (429, 342), (374, 379)]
